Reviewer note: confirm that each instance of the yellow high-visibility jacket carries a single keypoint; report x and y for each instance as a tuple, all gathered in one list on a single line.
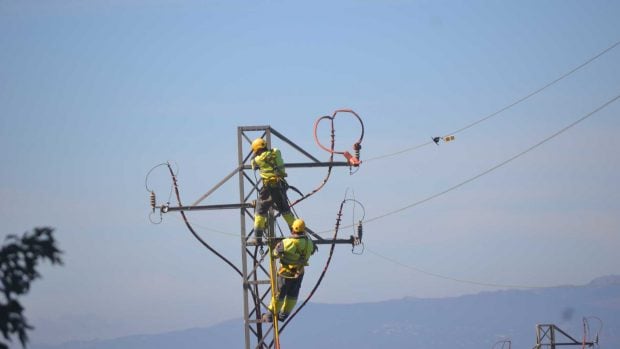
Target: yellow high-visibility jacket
[(270, 166), (294, 253)]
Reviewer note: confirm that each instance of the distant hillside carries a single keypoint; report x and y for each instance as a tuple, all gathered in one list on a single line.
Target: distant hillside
[(606, 280), (466, 322)]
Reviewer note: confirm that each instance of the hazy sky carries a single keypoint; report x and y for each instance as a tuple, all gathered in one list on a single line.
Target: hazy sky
[(94, 94)]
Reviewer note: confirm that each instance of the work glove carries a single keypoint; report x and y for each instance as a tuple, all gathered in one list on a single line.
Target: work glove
[(279, 250)]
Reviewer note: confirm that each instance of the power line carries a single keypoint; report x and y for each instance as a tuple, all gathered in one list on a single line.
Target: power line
[(539, 90), (522, 99), (399, 152), (471, 179), (213, 230), (191, 229), (464, 281)]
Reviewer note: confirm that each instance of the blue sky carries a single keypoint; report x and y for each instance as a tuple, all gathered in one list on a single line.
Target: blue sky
[(93, 94)]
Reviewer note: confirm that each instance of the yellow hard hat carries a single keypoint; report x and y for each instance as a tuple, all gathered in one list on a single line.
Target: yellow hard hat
[(258, 144), (299, 226)]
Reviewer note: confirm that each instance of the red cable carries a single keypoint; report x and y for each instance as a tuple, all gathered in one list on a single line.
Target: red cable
[(332, 118), (351, 159)]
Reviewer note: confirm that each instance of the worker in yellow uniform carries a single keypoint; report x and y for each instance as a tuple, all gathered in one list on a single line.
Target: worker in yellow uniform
[(294, 253), (273, 192)]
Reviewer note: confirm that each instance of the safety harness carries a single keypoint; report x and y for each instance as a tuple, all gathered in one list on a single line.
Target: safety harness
[(271, 174), (294, 269)]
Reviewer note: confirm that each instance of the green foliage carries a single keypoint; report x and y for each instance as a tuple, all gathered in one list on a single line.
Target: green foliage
[(18, 261)]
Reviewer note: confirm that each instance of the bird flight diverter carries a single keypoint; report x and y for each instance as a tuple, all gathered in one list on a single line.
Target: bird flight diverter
[(446, 139), (353, 160)]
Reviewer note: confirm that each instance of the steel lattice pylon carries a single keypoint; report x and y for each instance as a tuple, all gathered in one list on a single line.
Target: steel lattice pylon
[(254, 270), (256, 282)]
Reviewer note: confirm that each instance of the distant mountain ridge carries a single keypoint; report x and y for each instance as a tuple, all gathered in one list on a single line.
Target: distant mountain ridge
[(466, 322), (605, 280)]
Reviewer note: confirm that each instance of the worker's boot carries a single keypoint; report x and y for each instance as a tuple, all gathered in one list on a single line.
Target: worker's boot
[(258, 237), (282, 316)]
